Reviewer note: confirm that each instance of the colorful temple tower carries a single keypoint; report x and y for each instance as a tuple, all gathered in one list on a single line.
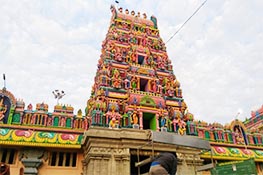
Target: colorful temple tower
[(136, 110), (135, 96), (135, 86)]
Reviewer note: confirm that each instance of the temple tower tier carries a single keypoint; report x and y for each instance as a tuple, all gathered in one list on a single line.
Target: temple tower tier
[(135, 86)]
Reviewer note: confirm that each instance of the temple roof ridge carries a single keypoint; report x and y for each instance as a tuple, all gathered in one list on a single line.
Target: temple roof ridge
[(132, 16)]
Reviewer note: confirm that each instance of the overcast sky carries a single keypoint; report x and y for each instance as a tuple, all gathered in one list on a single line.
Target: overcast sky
[(217, 56)]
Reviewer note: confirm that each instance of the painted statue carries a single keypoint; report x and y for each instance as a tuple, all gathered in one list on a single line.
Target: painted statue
[(3, 109), (116, 79), (134, 117), (114, 117)]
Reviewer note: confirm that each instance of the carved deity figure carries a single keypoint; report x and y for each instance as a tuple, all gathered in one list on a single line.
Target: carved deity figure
[(153, 86), (116, 79), (104, 77), (163, 121), (33, 119), (86, 123), (159, 88), (62, 122), (113, 123), (182, 127), (49, 121), (179, 125), (134, 117), (169, 89), (29, 107), (114, 117), (3, 109), (160, 63), (162, 118), (238, 136), (97, 116), (118, 55), (134, 81)]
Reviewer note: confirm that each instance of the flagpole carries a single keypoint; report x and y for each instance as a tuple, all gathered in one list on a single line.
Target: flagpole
[(117, 2), (4, 81)]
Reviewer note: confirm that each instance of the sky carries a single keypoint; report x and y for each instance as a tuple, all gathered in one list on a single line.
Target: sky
[(56, 44)]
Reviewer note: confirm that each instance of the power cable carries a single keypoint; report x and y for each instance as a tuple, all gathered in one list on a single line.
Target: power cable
[(186, 21)]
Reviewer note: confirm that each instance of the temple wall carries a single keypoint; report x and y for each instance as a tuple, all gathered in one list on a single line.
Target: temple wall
[(109, 151), (44, 169), (107, 161), (15, 168)]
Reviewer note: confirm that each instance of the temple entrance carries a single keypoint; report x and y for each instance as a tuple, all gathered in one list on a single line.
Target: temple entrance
[(133, 159), (149, 121)]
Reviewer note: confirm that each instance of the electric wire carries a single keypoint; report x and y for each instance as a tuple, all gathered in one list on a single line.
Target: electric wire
[(186, 21)]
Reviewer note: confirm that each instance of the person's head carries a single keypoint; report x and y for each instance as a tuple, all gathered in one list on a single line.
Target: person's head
[(175, 161)]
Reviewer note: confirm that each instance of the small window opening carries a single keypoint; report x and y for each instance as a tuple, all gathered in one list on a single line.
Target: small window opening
[(140, 59), (143, 84)]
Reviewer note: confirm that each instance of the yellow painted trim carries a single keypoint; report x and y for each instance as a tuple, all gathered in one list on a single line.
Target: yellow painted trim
[(227, 158), (119, 44), (41, 128), (172, 103), (113, 94), (120, 66), (163, 74), (39, 144), (236, 145)]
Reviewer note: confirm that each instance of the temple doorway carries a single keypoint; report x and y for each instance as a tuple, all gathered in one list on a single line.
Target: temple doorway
[(149, 121), (143, 169)]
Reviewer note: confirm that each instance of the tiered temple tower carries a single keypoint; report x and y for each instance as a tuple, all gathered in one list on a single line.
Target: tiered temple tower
[(135, 93), (135, 86), (136, 110)]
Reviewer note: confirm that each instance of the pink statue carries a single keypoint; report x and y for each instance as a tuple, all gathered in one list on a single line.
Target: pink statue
[(33, 119), (86, 123), (180, 124), (182, 127), (29, 107), (238, 136), (114, 118), (62, 122), (153, 86)]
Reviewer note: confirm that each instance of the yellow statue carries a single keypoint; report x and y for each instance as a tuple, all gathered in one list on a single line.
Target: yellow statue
[(3, 109), (134, 118)]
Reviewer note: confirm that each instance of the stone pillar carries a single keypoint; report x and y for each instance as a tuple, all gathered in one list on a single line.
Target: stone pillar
[(123, 164), (32, 160), (31, 165), (107, 161), (157, 122), (84, 166), (141, 120)]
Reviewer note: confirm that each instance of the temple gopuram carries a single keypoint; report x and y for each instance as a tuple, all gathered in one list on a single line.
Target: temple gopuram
[(136, 111)]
